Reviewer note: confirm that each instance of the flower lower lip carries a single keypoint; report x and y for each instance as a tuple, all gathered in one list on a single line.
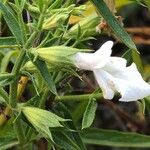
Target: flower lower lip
[(112, 74)]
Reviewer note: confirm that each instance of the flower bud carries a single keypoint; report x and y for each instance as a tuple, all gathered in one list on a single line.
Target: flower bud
[(79, 10), (60, 15), (56, 54), (54, 20), (87, 25), (30, 67)]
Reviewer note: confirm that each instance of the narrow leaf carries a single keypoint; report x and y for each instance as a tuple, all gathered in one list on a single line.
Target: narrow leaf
[(43, 70), (114, 23), (89, 114), (115, 138), (42, 120), (20, 4), (6, 59), (76, 135), (33, 81), (128, 56), (64, 141), (34, 101), (12, 23), (6, 79), (7, 143), (18, 8), (3, 96), (40, 5), (4, 41), (7, 131), (118, 30), (46, 75)]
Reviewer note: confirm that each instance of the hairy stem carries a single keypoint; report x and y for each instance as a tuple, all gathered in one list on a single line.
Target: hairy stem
[(13, 87), (84, 97)]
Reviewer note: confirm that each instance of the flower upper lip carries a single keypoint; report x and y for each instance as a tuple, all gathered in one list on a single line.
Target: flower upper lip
[(112, 74), (90, 61)]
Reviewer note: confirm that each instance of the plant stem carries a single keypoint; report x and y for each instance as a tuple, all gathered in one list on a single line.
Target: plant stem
[(13, 87), (84, 97), (17, 66)]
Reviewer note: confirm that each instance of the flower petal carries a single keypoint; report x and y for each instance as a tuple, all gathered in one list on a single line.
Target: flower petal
[(105, 82), (112, 74), (103, 53), (85, 61), (90, 61), (128, 82), (115, 64), (105, 49), (131, 85)]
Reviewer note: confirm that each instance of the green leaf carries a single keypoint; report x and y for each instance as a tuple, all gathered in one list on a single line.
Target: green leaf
[(115, 138), (7, 41), (147, 104), (40, 5), (75, 135), (118, 30), (12, 23), (6, 143), (33, 80), (18, 8), (128, 56), (55, 4), (131, 55), (64, 141), (89, 113), (6, 59), (137, 60), (6, 79), (46, 75), (43, 70), (8, 137), (34, 101), (15, 7), (77, 114), (42, 120), (114, 23), (2, 101), (20, 4), (7, 131), (3, 96)]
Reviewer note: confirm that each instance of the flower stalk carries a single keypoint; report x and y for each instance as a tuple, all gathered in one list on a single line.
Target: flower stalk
[(83, 97)]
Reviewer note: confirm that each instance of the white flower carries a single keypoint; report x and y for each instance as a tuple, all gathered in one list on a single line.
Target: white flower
[(112, 74)]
